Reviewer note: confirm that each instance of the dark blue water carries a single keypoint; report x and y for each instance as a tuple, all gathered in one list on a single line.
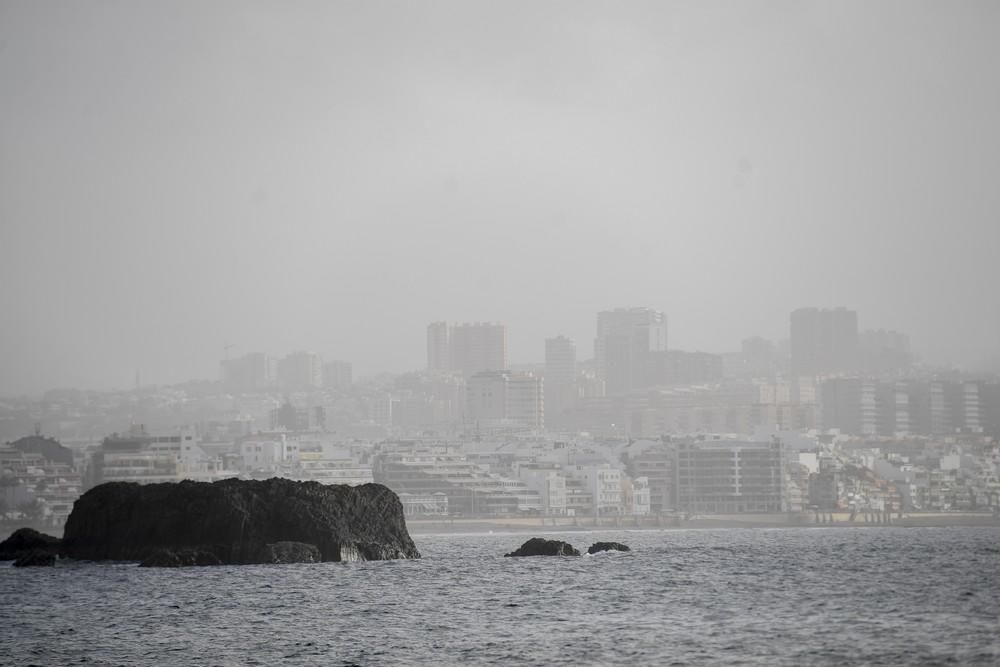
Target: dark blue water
[(877, 596)]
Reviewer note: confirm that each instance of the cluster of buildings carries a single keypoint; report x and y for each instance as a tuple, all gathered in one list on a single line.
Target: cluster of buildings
[(918, 406), (833, 419), (297, 371), (538, 475), (39, 481), (913, 474)]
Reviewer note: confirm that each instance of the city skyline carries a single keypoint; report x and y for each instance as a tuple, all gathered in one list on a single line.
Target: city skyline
[(289, 288), (233, 353), (339, 180)]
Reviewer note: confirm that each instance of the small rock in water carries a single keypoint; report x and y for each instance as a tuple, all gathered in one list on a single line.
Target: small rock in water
[(538, 546), (607, 546)]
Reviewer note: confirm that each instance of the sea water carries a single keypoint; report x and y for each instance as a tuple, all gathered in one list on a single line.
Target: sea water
[(796, 596)]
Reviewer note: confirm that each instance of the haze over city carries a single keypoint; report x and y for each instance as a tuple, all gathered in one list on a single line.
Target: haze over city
[(455, 332), (178, 177)]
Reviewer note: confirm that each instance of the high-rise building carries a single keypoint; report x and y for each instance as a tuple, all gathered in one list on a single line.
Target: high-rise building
[(338, 375), (251, 372), (955, 407), (884, 352), (850, 405), (300, 371), (437, 346), (893, 402), (863, 406), (628, 348), (495, 398), (757, 357), (692, 367), (990, 405), (824, 341), (526, 400), (560, 380), (477, 347)]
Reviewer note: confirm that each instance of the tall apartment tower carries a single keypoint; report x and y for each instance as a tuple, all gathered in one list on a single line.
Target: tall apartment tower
[(300, 371), (560, 379), (497, 397), (824, 341), (955, 407), (437, 346), (629, 348), (338, 375), (477, 347), (251, 372), (853, 405)]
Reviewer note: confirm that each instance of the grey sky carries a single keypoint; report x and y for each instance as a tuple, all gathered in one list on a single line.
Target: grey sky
[(333, 176)]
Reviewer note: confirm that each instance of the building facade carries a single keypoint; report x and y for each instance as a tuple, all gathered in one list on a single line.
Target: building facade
[(495, 399), (477, 347), (560, 380), (730, 477), (629, 348), (824, 341), (438, 347), (300, 371)]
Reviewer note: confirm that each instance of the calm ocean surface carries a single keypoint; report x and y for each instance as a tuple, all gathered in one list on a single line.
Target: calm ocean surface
[(877, 596)]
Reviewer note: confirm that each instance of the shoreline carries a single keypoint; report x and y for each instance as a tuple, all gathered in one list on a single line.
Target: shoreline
[(518, 525), (487, 525)]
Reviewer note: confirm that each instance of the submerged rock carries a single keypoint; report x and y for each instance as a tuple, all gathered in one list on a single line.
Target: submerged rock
[(238, 521), (36, 558), (182, 558), (538, 546), (607, 546), (25, 541)]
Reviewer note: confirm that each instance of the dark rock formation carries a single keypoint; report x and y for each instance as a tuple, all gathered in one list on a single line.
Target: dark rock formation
[(238, 521), (279, 552), (607, 546), (538, 546), (24, 541), (36, 558), (292, 552), (182, 558)]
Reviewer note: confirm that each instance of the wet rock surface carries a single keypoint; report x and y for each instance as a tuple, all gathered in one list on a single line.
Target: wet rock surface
[(36, 558), (291, 552), (182, 558), (538, 546), (25, 541), (597, 547), (238, 522)]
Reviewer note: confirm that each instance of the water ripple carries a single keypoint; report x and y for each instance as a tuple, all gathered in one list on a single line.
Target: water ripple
[(887, 596)]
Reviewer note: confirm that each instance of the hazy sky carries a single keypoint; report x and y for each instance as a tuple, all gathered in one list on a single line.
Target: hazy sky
[(334, 175)]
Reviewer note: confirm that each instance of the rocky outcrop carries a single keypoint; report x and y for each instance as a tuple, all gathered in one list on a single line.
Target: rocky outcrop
[(538, 546), (182, 558), (25, 541), (36, 558), (237, 521), (597, 547), (294, 552)]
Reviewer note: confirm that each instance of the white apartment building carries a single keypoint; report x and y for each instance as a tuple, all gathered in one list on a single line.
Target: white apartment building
[(549, 483), (604, 483)]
